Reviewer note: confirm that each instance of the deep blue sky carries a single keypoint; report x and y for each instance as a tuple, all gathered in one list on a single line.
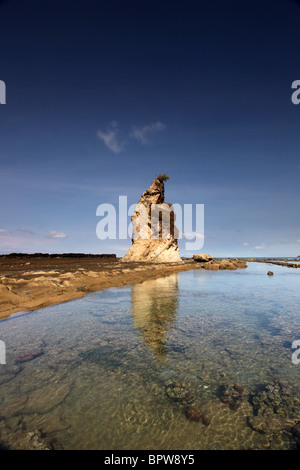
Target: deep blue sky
[(103, 95)]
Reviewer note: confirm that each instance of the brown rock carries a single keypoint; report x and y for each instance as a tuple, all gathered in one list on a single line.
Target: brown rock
[(153, 240), (9, 409), (233, 395), (193, 414), (46, 424), (206, 420), (29, 355), (44, 399), (202, 258)]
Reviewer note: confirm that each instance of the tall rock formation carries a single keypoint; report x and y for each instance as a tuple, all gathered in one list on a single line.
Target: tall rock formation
[(154, 235)]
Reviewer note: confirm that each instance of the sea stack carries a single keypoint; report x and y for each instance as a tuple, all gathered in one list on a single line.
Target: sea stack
[(154, 237)]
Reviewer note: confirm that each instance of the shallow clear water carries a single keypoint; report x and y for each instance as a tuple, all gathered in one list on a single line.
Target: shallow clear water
[(109, 359)]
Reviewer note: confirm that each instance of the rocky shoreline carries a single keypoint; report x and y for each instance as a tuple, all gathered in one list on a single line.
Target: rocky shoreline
[(285, 262), (29, 282)]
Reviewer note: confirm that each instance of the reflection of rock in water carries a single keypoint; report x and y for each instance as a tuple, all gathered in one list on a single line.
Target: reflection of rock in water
[(154, 306)]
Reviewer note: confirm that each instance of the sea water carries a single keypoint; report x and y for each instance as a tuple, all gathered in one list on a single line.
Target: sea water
[(105, 364)]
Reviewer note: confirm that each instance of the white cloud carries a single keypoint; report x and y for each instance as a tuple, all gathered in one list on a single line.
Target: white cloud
[(110, 138), (54, 234), (298, 241), (261, 246), (3, 230), (141, 133), (246, 244)]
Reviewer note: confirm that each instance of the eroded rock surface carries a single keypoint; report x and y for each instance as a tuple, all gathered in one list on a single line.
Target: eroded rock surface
[(202, 258), (216, 264), (154, 236)]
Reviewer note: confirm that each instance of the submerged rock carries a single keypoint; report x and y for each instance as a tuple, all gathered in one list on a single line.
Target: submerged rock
[(12, 408), (108, 356), (46, 398), (233, 395), (45, 423), (279, 398), (29, 355), (275, 408), (178, 393), (206, 420), (9, 372), (193, 414)]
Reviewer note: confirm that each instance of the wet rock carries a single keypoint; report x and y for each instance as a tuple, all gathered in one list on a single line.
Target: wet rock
[(29, 356), (24, 440), (211, 266), (275, 408), (227, 264), (46, 424), (202, 258), (178, 393), (31, 441), (268, 423), (206, 420), (270, 273), (13, 424), (233, 395), (9, 409), (193, 414), (231, 264), (44, 399), (9, 372), (279, 398), (108, 356)]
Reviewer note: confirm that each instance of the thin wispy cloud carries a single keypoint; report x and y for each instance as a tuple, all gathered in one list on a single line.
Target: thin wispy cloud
[(54, 234), (246, 244), (141, 134), (111, 138), (261, 246)]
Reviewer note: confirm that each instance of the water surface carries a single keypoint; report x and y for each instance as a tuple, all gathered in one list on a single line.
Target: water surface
[(109, 359)]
